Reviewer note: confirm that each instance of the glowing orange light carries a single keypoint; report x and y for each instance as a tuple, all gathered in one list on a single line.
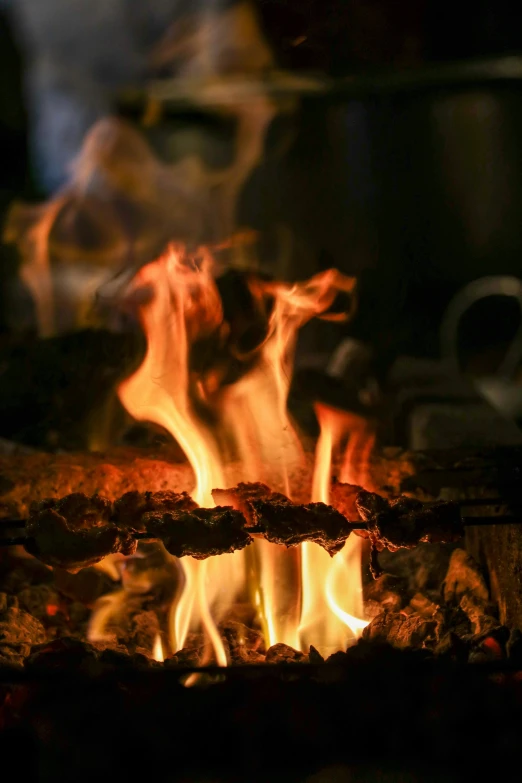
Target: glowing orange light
[(251, 438)]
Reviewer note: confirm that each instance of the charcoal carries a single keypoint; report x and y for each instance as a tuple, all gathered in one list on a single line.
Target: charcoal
[(481, 622), (282, 653), (489, 646), (386, 591), (452, 647), (514, 646), (22, 571), (494, 645), (19, 630), (143, 630), (86, 586), (63, 653), (464, 577), (42, 601), (381, 653), (479, 656), (314, 656), (453, 619), (130, 625), (188, 656), (242, 655), (400, 630), (244, 644), (337, 658), (120, 657), (423, 606), (422, 569), (374, 608), (7, 602)]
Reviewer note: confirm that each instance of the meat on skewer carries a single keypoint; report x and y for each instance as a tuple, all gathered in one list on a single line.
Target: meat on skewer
[(280, 521), (343, 497), (406, 522), (78, 531), (75, 532), (200, 533), (293, 525), (129, 510), (245, 497)]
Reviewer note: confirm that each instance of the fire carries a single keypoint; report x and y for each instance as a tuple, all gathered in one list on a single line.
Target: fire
[(157, 650), (241, 431), (331, 583)]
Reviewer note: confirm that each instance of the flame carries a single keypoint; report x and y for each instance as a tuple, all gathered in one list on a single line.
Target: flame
[(241, 431), (105, 608), (183, 304), (157, 649), (331, 583)]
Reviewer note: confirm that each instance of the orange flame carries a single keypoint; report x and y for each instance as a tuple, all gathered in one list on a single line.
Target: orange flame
[(331, 583), (157, 649), (241, 432)]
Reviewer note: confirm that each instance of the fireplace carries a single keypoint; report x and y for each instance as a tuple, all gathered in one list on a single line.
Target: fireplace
[(243, 535)]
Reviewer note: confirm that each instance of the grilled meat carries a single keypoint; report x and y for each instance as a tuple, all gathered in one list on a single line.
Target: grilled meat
[(131, 507), (201, 533), (75, 532), (406, 522), (245, 496)]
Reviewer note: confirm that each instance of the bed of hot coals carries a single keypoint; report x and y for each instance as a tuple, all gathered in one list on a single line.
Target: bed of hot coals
[(433, 599)]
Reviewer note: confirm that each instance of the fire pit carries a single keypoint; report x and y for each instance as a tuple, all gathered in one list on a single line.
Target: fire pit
[(203, 569), (243, 593)]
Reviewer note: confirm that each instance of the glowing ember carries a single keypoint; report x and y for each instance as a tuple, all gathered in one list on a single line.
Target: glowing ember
[(241, 431)]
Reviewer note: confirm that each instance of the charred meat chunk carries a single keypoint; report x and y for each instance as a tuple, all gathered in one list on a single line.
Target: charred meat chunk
[(343, 497), (244, 497), (81, 511), (290, 525), (75, 532), (406, 522), (130, 508), (201, 533)]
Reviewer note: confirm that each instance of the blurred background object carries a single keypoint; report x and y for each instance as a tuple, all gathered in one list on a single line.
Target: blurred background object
[(381, 138)]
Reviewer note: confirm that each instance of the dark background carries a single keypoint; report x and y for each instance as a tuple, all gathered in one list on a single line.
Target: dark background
[(386, 210)]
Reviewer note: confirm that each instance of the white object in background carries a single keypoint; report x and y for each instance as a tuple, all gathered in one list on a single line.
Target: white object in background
[(500, 389)]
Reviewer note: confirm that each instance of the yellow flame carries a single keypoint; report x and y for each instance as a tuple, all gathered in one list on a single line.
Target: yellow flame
[(157, 649), (109, 566), (159, 390), (250, 430), (331, 586), (105, 608)]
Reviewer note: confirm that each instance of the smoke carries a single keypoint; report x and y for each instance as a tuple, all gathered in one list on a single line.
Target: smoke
[(121, 205)]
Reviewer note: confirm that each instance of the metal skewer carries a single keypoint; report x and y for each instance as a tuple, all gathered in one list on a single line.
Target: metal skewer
[(468, 521), (496, 503)]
